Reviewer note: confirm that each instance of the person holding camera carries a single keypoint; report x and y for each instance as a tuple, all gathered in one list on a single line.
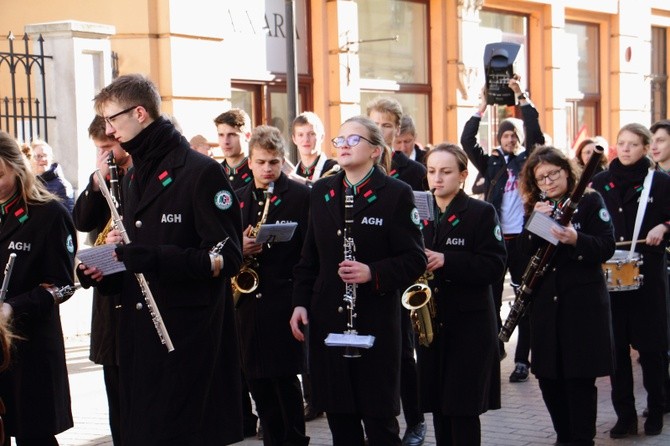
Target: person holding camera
[(501, 169)]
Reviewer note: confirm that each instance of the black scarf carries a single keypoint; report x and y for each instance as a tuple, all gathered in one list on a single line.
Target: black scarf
[(627, 177), (149, 148)]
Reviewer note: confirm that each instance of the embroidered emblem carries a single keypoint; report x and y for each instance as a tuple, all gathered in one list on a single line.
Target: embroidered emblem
[(638, 188), (246, 177), (453, 220), (21, 215), (370, 196), (498, 233), (394, 173), (223, 199), (609, 186), (275, 200), (69, 244), (604, 215), (165, 178), (329, 195), (415, 217)]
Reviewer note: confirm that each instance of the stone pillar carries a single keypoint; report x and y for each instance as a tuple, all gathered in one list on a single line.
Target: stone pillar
[(79, 68)]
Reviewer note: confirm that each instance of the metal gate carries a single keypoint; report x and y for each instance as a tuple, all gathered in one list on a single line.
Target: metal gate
[(22, 113)]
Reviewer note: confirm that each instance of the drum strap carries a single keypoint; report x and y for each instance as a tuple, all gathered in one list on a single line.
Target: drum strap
[(641, 208)]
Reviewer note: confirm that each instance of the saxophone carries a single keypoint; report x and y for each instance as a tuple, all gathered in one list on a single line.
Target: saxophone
[(246, 280), (116, 197), (418, 299)]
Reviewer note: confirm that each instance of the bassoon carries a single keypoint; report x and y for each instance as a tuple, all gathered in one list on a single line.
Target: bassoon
[(541, 261)]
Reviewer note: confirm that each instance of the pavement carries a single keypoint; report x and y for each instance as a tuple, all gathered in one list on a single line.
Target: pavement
[(523, 419)]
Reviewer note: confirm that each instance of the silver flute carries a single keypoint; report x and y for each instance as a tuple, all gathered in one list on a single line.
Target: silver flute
[(144, 285), (8, 273)]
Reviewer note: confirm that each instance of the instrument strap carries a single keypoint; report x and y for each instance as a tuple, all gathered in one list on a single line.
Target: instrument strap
[(641, 208)]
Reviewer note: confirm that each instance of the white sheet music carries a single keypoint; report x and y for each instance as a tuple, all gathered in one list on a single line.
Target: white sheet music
[(425, 205), (101, 258), (349, 340), (278, 232), (541, 224)]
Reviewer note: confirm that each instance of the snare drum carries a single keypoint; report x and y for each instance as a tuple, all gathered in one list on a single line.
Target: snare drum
[(622, 273)]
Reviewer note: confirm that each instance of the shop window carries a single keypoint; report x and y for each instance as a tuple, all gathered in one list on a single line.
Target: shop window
[(659, 74), (396, 67), (582, 86)]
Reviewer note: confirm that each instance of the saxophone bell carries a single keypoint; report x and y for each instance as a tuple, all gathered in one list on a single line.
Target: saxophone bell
[(418, 299)]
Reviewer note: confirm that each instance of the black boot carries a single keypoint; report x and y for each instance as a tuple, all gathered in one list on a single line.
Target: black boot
[(654, 424), (624, 427)]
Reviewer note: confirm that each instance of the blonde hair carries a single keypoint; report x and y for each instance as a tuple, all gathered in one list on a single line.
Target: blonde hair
[(32, 190)]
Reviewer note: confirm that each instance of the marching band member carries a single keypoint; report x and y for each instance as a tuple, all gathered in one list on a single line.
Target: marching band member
[(571, 304), (639, 316), (177, 205), (459, 372), (308, 133), (234, 130), (39, 230), (271, 356), (388, 258)]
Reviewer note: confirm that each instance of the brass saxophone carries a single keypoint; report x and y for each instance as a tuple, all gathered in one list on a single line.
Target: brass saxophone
[(418, 299), (116, 197), (246, 280)]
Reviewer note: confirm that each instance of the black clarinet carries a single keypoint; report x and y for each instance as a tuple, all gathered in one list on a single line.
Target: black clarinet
[(350, 288), (541, 261), (114, 187)]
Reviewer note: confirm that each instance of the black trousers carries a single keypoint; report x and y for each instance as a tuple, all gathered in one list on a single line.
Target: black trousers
[(46, 441), (279, 406), (347, 430), (653, 377), (572, 405), (110, 374), (516, 265), (409, 380), (457, 431), (249, 419)]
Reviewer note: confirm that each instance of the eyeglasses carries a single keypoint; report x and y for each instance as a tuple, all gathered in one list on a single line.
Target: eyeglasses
[(351, 141), (110, 119), (553, 176)]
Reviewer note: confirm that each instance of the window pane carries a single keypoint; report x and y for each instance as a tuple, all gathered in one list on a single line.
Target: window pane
[(404, 61), (582, 39), (414, 105), (504, 27), (244, 100)]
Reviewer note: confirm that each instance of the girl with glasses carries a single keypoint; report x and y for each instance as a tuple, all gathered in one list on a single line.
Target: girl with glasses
[(570, 325), (388, 257)]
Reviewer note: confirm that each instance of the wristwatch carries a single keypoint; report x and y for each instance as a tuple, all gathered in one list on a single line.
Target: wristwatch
[(522, 96)]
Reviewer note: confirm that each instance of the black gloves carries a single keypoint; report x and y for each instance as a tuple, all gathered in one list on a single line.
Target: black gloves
[(138, 258)]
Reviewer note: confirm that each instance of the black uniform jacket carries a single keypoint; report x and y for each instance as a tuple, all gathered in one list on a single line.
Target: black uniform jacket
[(388, 240), (407, 170), (648, 321), (190, 396), (459, 373), (490, 165), (571, 326), (268, 347), (240, 175), (35, 388), (91, 214)]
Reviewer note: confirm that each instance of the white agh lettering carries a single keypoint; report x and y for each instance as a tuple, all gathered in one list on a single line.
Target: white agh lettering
[(171, 218), (375, 221), (19, 246), (455, 241)]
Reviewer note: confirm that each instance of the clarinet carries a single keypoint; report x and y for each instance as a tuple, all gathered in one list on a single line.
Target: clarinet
[(350, 288), (114, 181), (144, 285), (9, 267), (541, 261)]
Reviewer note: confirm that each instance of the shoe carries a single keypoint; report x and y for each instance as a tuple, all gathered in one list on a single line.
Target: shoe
[(415, 435), (503, 355), (311, 413), (624, 428), (520, 373), (654, 424)]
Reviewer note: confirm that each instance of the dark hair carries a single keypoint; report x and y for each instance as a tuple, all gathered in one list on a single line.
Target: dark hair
[(131, 90), (267, 138), (580, 149), (457, 151), (530, 190), (236, 118), (97, 128), (662, 124)]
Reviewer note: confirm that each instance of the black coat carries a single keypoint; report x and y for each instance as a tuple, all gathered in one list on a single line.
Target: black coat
[(388, 240), (35, 388), (240, 175), (407, 170), (190, 396), (91, 214), (570, 321), (268, 347), (459, 373), (490, 165), (647, 321)]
